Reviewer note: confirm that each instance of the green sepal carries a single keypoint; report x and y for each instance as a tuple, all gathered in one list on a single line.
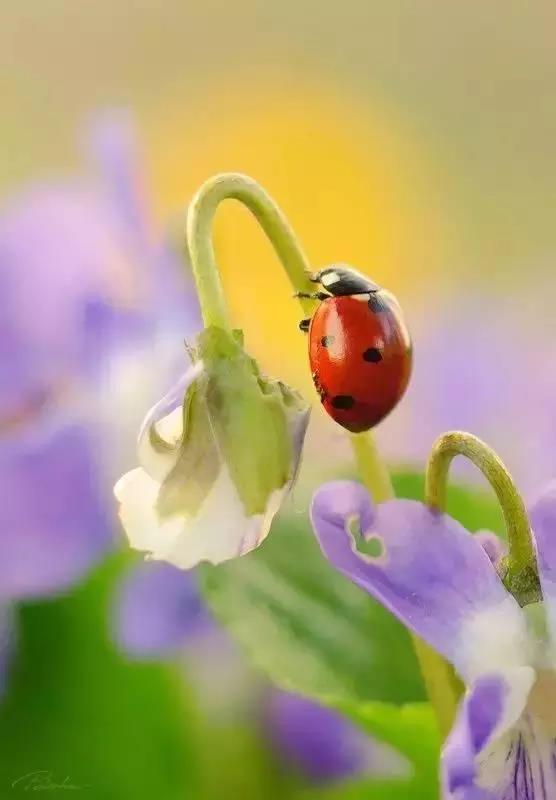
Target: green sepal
[(198, 462), (250, 416)]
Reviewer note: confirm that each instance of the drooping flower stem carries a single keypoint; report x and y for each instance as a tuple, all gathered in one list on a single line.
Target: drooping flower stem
[(200, 218), (373, 472), (372, 469), (438, 675), (518, 570), (203, 207)]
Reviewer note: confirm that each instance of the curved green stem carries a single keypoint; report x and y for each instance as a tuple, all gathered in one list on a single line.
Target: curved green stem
[(443, 686), (200, 218), (373, 472), (441, 682), (519, 569), (372, 469)]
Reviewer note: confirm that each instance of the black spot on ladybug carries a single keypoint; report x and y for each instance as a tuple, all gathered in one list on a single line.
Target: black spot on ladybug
[(372, 355), (326, 341), (343, 401), (376, 303)]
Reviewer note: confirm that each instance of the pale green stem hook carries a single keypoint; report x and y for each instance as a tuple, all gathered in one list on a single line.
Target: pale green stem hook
[(518, 570), (200, 217), (373, 472)]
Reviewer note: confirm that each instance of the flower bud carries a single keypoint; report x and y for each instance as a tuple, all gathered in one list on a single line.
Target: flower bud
[(218, 455)]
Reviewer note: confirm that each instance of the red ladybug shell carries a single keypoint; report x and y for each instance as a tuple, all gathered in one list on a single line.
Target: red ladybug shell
[(360, 356)]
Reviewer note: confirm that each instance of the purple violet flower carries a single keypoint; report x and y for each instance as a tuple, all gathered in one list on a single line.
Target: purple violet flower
[(439, 581), (78, 260), (54, 519), (481, 364), (322, 744), (158, 611)]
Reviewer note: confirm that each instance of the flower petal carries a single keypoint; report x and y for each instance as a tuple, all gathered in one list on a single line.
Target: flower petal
[(158, 609), (431, 574), (159, 453), (493, 545), (219, 531), (54, 516), (499, 748), (57, 243), (479, 754), (113, 145), (137, 494), (318, 741), (542, 515), (324, 745)]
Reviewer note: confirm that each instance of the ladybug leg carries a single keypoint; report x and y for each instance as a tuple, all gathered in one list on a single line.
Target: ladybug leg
[(313, 295), (304, 325)]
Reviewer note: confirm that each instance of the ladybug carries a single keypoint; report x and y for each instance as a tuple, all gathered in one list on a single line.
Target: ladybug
[(359, 348)]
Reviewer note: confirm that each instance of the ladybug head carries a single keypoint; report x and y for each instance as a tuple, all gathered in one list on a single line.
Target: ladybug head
[(341, 279)]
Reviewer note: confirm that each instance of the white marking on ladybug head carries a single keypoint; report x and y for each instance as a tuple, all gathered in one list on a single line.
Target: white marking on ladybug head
[(329, 278)]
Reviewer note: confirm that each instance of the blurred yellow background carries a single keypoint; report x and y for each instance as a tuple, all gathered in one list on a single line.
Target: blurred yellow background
[(397, 115), (415, 141)]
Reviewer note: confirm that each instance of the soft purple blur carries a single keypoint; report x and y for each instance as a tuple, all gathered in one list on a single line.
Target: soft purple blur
[(158, 610), (159, 614), (315, 740), (321, 744), (55, 522), (483, 365), (86, 339)]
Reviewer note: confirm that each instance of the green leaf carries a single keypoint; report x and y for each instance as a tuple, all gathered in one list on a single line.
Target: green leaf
[(315, 633), (77, 709), (306, 626), (311, 630), (366, 790), (410, 729), (236, 762)]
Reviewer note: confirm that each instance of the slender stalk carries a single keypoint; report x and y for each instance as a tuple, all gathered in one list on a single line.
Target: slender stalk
[(439, 678), (443, 686), (519, 571), (372, 469), (436, 672), (200, 218)]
